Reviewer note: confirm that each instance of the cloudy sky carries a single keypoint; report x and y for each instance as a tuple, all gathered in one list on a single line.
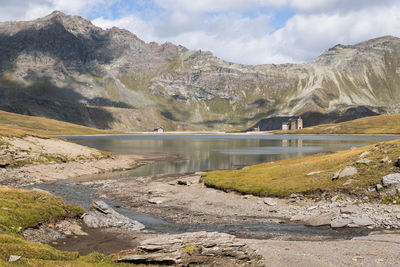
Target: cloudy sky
[(242, 31)]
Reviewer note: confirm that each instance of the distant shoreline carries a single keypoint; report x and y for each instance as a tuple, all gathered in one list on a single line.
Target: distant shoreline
[(220, 133)]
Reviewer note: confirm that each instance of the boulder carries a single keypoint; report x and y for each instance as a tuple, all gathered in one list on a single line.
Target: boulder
[(14, 258), (102, 216), (340, 222), (348, 171), (393, 178), (199, 248), (320, 220)]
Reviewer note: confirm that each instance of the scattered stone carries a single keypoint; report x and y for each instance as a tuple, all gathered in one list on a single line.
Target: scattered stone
[(363, 161), (363, 155), (313, 173), (101, 215), (201, 248), (335, 175), (386, 160), (14, 258), (398, 216), (5, 160), (335, 198), (348, 210), (340, 222), (379, 187), (157, 200), (312, 208), (320, 220), (348, 171), (361, 221), (390, 179), (270, 201), (294, 195)]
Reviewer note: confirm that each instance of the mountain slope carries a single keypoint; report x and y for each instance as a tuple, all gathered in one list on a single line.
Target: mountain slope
[(65, 68)]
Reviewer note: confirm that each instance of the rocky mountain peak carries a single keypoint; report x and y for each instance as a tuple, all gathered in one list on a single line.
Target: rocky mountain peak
[(69, 69)]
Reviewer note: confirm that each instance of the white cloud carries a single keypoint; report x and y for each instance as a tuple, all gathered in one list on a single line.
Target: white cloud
[(32, 9)]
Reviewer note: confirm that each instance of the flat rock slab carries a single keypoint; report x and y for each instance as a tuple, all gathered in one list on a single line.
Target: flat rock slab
[(103, 215), (320, 220), (390, 179), (361, 221), (200, 249)]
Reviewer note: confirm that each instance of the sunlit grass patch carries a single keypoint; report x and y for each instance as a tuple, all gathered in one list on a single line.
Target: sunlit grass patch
[(309, 175)]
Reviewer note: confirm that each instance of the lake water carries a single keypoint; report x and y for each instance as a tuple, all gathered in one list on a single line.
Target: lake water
[(212, 152)]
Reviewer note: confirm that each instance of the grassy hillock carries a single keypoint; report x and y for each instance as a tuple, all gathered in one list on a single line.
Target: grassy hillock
[(383, 124), (20, 209), (12, 124), (310, 175)]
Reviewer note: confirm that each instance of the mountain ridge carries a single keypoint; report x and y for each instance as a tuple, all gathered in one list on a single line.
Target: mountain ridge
[(64, 67)]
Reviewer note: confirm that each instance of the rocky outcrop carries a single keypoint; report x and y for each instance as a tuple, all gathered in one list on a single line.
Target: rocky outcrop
[(66, 68), (193, 249)]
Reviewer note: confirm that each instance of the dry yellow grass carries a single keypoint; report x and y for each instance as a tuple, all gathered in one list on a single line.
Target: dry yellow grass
[(12, 124), (383, 124), (309, 175)]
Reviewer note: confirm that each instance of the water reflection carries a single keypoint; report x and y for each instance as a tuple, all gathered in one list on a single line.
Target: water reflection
[(202, 153)]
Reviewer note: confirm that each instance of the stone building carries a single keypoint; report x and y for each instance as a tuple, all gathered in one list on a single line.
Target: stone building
[(293, 124), (159, 130)]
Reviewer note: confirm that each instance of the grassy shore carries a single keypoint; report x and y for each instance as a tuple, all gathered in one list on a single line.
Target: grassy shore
[(310, 175), (383, 124), (12, 124), (21, 209)]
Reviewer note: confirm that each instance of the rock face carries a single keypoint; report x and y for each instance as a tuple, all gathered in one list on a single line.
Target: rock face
[(102, 216), (390, 179), (65, 68), (199, 249)]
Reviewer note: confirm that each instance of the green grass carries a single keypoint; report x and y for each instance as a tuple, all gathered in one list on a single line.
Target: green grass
[(12, 124), (383, 124), (20, 209), (285, 177)]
